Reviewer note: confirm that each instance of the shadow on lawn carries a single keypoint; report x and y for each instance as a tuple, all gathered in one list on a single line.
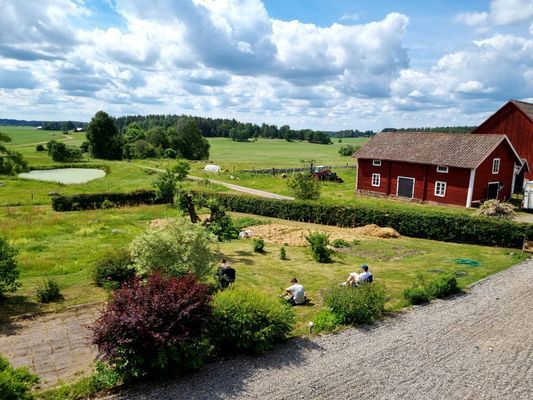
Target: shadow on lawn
[(228, 378), (13, 308)]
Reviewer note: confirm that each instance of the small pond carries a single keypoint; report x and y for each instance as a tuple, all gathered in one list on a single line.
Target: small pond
[(64, 175)]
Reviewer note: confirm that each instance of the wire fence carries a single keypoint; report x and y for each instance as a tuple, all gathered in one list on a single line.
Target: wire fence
[(276, 171)]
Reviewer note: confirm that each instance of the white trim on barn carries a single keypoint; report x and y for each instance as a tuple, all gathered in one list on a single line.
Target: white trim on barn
[(470, 193)]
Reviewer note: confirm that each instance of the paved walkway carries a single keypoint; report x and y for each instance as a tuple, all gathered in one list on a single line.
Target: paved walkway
[(475, 346), (54, 346)]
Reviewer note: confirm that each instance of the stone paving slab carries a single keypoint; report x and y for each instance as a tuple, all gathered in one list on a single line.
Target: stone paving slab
[(54, 346)]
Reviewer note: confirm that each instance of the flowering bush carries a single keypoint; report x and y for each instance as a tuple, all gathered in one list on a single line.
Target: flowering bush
[(155, 326)]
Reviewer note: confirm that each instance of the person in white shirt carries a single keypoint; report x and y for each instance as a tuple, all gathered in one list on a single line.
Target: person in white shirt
[(355, 278), (296, 293)]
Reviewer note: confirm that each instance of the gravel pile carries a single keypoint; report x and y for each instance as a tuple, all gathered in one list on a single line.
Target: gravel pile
[(474, 346)]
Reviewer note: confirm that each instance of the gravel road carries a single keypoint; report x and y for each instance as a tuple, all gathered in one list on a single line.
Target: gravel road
[(474, 346)]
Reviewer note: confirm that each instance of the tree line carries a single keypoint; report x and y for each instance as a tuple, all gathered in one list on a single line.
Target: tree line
[(441, 129)]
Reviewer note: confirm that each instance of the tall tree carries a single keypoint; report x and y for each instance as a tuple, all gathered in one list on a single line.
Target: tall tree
[(188, 141), (11, 162), (105, 141)]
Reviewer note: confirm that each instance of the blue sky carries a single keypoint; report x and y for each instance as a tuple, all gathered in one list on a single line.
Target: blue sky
[(335, 64)]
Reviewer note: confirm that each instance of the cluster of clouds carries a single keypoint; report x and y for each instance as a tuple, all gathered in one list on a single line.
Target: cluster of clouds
[(229, 58)]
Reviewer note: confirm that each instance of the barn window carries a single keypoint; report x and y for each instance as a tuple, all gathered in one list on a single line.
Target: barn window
[(440, 189), (442, 169), (376, 163), (495, 165), (376, 180)]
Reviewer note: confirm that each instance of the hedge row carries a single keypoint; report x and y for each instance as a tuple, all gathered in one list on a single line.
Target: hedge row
[(94, 201), (436, 226)]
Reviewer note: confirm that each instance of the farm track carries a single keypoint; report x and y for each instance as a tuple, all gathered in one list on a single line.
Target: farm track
[(238, 188), (474, 346)]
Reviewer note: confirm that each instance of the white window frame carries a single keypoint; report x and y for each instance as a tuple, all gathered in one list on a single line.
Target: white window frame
[(496, 166), (376, 163), (437, 191), (442, 169), (398, 186), (378, 176)]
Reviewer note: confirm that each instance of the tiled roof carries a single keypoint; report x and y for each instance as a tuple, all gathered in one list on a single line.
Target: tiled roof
[(446, 149), (527, 108)]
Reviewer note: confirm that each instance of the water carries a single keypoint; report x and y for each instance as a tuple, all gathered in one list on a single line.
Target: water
[(65, 175)]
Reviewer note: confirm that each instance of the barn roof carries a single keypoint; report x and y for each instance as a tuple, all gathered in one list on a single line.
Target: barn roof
[(526, 108), (447, 149)]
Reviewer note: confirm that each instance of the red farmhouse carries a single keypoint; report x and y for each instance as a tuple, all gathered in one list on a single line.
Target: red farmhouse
[(514, 119), (449, 168)]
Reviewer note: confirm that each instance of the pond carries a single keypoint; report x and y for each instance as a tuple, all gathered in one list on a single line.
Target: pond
[(64, 175)]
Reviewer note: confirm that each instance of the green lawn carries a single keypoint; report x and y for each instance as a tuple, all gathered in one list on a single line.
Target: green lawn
[(65, 245)]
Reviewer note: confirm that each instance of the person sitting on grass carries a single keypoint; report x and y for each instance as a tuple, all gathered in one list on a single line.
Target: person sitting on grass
[(355, 278), (296, 292), (225, 274)]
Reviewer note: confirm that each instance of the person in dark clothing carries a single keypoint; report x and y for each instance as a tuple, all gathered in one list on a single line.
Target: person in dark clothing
[(225, 274)]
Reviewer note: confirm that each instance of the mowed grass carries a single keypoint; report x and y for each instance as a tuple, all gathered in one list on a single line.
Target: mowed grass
[(65, 246)]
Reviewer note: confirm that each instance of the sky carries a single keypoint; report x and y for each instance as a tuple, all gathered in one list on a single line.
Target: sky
[(320, 64)]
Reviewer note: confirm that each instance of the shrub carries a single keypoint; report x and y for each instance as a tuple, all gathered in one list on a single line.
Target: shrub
[(419, 223), (283, 253), (60, 152), (496, 209), (258, 245), (107, 204), (247, 321), (417, 295), (180, 248), (170, 153), (338, 243), (319, 246), (94, 201), (303, 186), (84, 147), (362, 304), (181, 169), (9, 273), (165, 186), (39, 147), (15, 383), (154, 327), (113, 269), (348, 149), (325, 321), (49, 290), (443, 285)]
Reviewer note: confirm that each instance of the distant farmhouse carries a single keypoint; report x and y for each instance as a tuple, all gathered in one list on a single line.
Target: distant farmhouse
[(514, 119), (449, 168)]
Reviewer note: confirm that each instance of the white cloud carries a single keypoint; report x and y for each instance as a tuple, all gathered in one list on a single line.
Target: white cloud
[(473, 19), (502, 12)]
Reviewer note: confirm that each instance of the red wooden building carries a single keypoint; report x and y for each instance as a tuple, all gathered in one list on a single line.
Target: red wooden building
[(448, 168), (514, 119)]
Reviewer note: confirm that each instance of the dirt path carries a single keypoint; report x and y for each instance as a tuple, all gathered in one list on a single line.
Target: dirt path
[(475, 346), (243, 189), (54, 346)]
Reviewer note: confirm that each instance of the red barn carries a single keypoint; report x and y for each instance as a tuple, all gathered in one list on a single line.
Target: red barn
[(449, 168), (514, 119)]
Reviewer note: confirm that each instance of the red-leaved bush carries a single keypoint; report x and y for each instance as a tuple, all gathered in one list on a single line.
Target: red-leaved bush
[(155, 326)]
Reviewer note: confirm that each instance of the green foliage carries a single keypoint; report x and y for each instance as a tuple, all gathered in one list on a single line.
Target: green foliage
[(113, 269), (325, 321), (348, 149), (9, 273), (417, 295), (244, 222), (177, 249), (11, 162), (319, 243), (84, 147), (496, 209), (49, 290), (60, 152), (443, 285), (105, 141), (362, 304), (107, 204), (258, 245), (247, 321), (15, 383), (283, 253), (303, 186), (94, 201), (187, 140), (181, 169), (338, 243), (417, 223), (40, 147), (166, 186)]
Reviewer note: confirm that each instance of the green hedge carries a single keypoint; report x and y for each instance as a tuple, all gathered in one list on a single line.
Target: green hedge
[(92, 201), (436, 226)]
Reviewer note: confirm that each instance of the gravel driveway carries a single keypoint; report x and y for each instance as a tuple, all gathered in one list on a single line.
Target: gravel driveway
[(475, 346)]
